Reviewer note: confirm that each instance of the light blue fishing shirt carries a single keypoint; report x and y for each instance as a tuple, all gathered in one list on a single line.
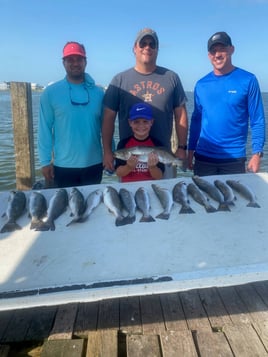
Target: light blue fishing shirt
[(225, 107), (69, 133)]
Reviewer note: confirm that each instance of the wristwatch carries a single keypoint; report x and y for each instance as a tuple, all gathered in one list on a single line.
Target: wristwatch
[(183, 147), (260, 154)]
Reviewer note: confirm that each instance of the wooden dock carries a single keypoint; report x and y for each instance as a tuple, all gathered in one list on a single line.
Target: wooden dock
[(224, 321)]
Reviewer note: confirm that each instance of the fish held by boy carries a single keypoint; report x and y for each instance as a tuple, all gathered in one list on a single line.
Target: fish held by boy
[(166, 200), (15, 208), (164, 156)]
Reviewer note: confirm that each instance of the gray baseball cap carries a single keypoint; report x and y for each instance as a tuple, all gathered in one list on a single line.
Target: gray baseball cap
[(147, 32)]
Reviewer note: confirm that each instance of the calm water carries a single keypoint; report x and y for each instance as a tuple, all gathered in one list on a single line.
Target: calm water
[(7, 160)]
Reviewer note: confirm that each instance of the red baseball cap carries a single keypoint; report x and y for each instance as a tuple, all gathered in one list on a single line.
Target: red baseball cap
[(74, 48)]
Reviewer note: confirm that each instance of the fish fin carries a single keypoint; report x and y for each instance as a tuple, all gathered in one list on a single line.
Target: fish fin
[(83, 218), (74, 220), (224, 207), (71, 222), (253, 204), (147, 219), (10, 227), (210, 209), (163, 215), (186, 209), (230, 203)]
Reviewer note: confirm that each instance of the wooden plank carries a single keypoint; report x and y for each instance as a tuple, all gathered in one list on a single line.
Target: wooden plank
[(63, 326), (4, 350), (143, 345), (102, 343), (130, 315), (212, 303), (261, 328), (255, 305), (177, 343), (86, 319), (212, 344), (63, 348), (151, 314), (5, 318), (195, 314), (173, 312), (109, 314), (41, 323), (244, 340), (18, 326), (235, 307), (21, 98)]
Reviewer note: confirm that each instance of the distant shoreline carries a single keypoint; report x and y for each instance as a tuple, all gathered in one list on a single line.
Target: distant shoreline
[(42, 89)]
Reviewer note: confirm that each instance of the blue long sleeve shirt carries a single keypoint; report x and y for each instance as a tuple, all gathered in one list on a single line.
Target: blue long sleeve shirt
[(224, 108), (70, 133)]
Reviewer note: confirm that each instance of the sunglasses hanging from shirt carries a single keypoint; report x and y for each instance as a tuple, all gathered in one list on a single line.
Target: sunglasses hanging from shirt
[(79, 96)]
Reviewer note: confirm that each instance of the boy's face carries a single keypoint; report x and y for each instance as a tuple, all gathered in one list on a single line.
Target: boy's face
[(141, 128)]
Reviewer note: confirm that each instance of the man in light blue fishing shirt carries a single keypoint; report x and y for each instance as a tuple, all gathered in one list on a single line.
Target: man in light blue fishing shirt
[(69, 127)]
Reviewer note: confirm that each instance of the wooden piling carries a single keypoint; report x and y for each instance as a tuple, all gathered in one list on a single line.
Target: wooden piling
[(21, 103)]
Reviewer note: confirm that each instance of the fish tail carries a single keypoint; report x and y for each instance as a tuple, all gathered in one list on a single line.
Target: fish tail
[(186, 209), (147, 219), (132, 219), (223, 207), (163, 215), (122, 221), (36, 223), (253, 204), (10, 227), (46, 226), (210, 209)]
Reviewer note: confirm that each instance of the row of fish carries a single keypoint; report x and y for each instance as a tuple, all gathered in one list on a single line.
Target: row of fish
[(117, 202), (80, 208)]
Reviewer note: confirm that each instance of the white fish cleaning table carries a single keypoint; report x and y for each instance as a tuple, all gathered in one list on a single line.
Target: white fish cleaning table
[(96, 260)]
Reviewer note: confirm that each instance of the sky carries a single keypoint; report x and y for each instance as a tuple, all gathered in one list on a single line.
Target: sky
[(33, 33)]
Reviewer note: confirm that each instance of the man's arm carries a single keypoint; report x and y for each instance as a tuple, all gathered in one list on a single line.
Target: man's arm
[(108, 122), (181, 126)]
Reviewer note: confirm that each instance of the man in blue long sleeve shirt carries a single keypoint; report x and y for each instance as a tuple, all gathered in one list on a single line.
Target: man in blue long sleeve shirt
[(226, 102), (69, 128)]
